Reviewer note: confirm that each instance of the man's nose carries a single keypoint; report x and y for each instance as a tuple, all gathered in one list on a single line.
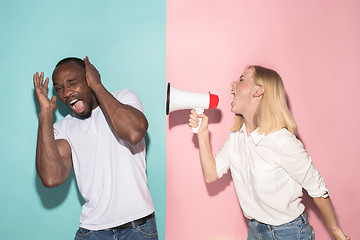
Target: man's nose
[(67, 92)]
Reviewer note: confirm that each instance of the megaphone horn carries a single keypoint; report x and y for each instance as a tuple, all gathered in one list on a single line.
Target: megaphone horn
[(177, 99)]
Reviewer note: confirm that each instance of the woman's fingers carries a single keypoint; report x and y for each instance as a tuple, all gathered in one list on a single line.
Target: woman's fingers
[(193, 119)]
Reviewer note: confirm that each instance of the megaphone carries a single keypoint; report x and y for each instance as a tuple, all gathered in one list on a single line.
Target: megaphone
[(177, 99)]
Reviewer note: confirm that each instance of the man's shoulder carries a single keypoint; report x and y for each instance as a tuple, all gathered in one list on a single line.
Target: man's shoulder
[(127, 96), (123, 92)]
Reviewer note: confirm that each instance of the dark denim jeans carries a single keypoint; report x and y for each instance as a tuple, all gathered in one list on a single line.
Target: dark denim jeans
[(299, 229), (147, 231)]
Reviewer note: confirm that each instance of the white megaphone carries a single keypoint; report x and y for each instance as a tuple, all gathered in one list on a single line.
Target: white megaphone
[(177, 99)]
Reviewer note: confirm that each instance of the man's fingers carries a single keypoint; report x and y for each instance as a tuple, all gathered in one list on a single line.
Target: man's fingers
[(39, 84), (36, 80), (88, 63), (46, 83), (53, 99), (41, 78)]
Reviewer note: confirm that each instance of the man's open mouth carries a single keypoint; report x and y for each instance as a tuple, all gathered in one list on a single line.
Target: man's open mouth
[(77, 105), (73, 102)]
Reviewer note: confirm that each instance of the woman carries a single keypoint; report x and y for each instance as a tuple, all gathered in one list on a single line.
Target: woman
[(268, 164)]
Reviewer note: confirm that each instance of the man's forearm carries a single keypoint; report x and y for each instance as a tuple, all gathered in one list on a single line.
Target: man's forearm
[(49, 164)]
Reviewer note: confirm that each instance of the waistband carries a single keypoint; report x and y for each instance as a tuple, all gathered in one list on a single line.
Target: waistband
[(134, 223), (302, 218)]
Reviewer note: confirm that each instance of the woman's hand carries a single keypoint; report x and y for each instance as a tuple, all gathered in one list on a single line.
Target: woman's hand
[(327, 211), (339, 234), (194, 122)]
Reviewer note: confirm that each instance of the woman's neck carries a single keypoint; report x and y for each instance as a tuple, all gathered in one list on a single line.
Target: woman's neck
[(250, 126)]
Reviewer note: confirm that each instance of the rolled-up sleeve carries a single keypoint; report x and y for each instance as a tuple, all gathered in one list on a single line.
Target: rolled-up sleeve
[(297, 163)]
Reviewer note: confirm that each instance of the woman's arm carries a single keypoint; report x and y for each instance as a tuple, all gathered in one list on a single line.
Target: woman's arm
[(207, 159), (327, 211)]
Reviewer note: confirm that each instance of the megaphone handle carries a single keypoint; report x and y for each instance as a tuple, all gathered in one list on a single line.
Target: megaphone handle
[(198, 111)]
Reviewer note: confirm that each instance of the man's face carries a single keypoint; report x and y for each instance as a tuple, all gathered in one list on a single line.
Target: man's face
[(69, 81)]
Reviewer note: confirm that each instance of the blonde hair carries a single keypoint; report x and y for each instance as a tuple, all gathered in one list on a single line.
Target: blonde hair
[(273, 113)]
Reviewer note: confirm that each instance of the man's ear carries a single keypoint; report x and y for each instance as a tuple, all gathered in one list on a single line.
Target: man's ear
[(259, 91)]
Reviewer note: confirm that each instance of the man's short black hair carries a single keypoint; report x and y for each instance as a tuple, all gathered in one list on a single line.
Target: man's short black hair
[(79, 61)]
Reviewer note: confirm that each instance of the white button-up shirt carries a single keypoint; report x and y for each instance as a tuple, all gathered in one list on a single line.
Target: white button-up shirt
[(269, 173)]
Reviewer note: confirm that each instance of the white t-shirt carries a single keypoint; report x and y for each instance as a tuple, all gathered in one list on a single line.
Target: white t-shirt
[(110, 173), (269, 173)]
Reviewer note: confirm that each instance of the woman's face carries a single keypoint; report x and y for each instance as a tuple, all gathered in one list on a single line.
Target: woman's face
[(243, 91)]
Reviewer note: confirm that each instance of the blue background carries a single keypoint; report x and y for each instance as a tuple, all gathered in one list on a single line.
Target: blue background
[(125, 40)]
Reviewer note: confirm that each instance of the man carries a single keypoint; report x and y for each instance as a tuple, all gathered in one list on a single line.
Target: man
[(103, 138)]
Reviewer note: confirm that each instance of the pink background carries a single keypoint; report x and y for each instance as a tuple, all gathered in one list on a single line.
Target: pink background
[(314, 45)]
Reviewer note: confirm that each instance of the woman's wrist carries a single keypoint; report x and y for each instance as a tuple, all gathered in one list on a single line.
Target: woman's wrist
[(203, 134)]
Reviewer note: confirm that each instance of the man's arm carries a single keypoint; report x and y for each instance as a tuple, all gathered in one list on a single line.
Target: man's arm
[(53, 158), (129, 123)]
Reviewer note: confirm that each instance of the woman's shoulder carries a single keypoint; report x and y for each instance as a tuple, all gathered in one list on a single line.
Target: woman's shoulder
[(283, 136)]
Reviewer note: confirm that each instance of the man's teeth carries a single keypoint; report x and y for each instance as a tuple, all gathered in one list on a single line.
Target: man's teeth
[(72, 103)]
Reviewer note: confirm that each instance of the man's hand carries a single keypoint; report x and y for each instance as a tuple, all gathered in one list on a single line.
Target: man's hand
[(41, 89), (93, 77)]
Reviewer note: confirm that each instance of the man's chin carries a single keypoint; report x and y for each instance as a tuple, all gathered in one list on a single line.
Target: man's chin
[(82, 115)]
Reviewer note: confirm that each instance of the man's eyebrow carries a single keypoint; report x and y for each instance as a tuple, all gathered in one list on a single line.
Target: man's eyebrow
[(68, 80)]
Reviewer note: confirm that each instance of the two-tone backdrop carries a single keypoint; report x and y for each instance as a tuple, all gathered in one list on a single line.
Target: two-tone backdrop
[(125, 40), (195, 45)]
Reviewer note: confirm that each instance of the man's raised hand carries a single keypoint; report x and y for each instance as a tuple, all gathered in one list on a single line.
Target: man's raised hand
[(41, 89), (92, 74)]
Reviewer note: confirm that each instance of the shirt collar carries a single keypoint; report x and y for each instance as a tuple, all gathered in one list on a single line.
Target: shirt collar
[(255, 136)]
